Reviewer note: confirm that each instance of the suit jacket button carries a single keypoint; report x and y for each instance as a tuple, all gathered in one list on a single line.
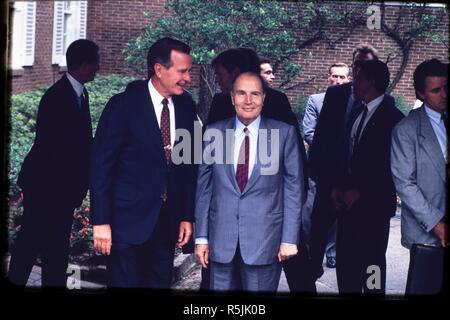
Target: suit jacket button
[(237, 216)]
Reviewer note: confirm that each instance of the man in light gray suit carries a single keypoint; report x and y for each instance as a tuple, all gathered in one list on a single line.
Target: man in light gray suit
[(418, 161), (338, 73), (248, 202)]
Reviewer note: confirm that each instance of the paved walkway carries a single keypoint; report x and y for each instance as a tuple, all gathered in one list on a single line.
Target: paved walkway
[(397, 268), (397, 259)]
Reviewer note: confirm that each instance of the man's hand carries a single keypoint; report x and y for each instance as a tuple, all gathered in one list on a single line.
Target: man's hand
[(441, 231), (202, 254), (286, 251), (350, 197), (336, 199), (184, 233), (102, 239)]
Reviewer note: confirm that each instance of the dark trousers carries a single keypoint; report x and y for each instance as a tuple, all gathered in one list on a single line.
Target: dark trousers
[(323, 218), (362, 240), (147, 265), (45, 231), (299, 273)]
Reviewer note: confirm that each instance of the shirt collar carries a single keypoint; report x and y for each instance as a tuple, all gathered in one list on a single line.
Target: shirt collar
[(252, 127), (375, 102), (77, 86), (434, 115), (155, 95)]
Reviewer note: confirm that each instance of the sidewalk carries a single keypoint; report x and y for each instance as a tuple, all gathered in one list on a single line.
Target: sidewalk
[(187, 275), (397, 259), (94, 278)]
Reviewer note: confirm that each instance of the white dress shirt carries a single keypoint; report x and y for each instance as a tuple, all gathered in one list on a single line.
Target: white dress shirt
[(439, 128), (239, 136), (157, 99), (372, 106)]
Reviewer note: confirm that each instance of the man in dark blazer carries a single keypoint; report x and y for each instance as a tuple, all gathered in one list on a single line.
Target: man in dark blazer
[(323, 157), (363, 192), (142, 201), (55, 174), (338, 73)]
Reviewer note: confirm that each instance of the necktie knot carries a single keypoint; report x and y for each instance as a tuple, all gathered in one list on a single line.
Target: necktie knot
[(246, 131), (165, 102)]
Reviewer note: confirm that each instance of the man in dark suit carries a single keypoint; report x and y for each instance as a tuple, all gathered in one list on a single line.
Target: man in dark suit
[(323, 157), (142, 202), (55, 174), (363, 192), (338, 73)]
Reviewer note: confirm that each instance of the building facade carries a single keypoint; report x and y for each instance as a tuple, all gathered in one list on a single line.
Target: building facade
[(41, 31)]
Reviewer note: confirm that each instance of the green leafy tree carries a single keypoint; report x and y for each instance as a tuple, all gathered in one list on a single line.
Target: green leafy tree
[(412, 22), (210, 27)]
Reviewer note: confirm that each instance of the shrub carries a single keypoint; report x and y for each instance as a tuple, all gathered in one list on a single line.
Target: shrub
[(81, 234), (299, 109), (402, 105), (22, 112), (101, 90)]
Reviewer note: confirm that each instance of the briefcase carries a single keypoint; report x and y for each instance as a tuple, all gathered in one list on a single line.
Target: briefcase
[(426, 270)]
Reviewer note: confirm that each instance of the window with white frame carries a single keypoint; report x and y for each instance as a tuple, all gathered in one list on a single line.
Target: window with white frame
[(69, 25), (23, 34)]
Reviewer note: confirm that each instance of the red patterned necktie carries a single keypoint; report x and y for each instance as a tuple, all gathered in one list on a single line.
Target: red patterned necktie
[(242, 165), (165, 129), (165, 134)]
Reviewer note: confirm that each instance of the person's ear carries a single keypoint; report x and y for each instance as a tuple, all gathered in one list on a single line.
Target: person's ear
[(158, 69), (420, 95)]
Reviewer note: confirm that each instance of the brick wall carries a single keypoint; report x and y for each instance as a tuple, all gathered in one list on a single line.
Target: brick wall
[(111, 23), (42, 72), (313, 78)]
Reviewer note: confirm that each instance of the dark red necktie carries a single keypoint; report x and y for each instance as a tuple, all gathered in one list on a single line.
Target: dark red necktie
[(242, 165), (165, 129), (165, 134)]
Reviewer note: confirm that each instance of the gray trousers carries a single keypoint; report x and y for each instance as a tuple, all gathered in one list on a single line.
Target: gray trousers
[(237, 275)]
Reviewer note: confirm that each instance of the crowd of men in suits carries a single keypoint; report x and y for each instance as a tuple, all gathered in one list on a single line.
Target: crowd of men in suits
[(334, 197)]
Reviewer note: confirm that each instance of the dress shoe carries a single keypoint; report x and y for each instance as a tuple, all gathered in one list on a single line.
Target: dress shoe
[(331, 262)]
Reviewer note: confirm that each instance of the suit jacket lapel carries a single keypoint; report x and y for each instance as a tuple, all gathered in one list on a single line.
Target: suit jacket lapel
[(256, 172), (430, 143), (229, 145), (152, 130), (372, 123), (70, 90)]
